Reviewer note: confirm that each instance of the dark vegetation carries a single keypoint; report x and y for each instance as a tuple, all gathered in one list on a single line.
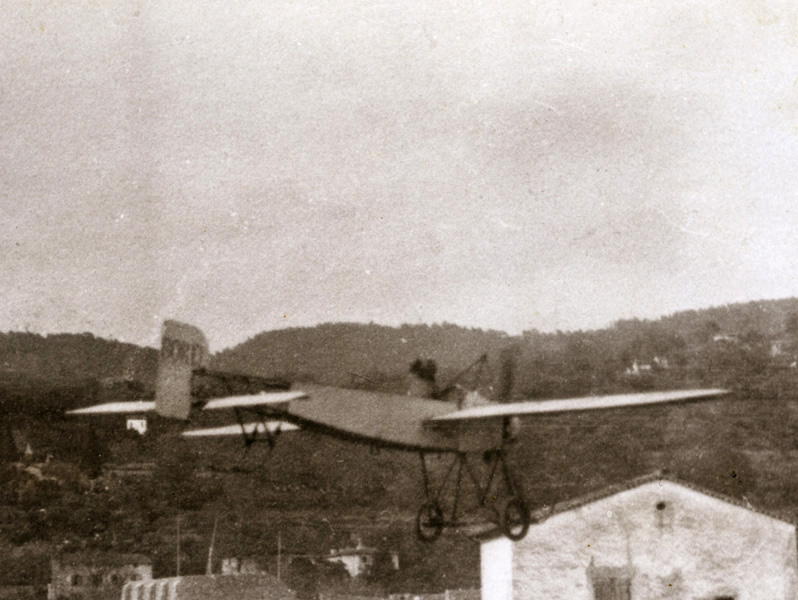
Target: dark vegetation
[(314, 491), (549, 364), (74, 356)]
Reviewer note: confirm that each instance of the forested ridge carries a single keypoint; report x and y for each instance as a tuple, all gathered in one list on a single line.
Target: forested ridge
[(349, 353), (713, 345)]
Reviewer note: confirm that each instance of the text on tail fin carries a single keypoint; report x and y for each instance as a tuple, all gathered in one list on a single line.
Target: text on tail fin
[(183, 349)]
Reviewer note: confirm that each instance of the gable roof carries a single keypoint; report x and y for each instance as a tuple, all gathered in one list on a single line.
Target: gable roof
[(541, 515)]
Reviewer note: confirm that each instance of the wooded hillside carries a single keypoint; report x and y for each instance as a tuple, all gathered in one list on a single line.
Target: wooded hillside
[(312, 488)]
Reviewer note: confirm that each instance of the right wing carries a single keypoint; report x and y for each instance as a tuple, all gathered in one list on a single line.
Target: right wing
[(540, 407)]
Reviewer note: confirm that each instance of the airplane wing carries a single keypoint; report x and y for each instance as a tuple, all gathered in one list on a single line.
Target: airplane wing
[(141, 406), (249, 429), (138, 406), (547, 407), (253, 400)]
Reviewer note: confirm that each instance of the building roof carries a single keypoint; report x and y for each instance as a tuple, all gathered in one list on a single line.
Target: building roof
[(542, 514), (209, 587), (359, 550), (101, 559)]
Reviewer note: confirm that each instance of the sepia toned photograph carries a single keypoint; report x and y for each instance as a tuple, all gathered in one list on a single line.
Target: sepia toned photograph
[(379, 300)]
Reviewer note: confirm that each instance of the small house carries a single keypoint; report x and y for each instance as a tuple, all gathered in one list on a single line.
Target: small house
[(95, 576), (138, 424), (637, 369), (357, 560)]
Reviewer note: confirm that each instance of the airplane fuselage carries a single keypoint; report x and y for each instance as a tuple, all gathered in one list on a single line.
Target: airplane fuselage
[(388, 420)]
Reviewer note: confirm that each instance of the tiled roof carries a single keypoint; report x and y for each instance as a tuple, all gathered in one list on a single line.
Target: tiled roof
[(209, 587), (664, 476), (542, 514)]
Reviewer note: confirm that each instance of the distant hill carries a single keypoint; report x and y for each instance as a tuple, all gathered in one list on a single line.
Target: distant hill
[(75, 356), (548, 364), (361, 355), (378, 356), (769, 318), (46, 375)]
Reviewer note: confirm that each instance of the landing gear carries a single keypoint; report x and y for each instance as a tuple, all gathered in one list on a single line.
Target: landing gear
[(429, 522), (511, 516), (257, 432), (514, 519)]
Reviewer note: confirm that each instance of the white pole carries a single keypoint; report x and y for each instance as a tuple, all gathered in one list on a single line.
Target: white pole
[(209, 566), (178, 545)]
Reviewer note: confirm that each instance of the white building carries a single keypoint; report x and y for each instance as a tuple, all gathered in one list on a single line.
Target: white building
[(637, 369), (653, 538), (95, 576), (137, 424), (357, 561)]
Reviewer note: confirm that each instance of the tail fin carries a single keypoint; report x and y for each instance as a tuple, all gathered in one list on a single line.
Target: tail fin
[(183, 349)]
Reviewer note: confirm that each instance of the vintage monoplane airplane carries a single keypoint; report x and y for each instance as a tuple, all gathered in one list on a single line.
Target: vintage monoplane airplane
[(470, 426)]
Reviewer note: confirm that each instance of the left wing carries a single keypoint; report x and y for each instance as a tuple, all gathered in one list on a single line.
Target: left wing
[(138, 406), (548, 407), (247, 401)]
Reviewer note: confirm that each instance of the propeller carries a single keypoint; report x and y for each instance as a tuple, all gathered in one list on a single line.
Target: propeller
[(508, 362)]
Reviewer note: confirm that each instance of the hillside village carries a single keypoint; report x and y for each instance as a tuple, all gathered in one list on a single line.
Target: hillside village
[(327, 518)]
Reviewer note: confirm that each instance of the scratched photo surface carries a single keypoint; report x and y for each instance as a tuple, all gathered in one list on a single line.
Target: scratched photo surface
[(256, 165), (599, 197)]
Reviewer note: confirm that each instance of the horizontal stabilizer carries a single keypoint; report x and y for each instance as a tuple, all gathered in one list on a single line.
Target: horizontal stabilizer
[(249, 428), (543, 407), (138, 406), (253, 400)]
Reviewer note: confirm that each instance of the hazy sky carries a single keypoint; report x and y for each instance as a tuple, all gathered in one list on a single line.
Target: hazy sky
[(249, 165)]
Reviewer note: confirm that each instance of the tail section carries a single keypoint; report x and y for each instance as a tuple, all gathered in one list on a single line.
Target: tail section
[(183, 349)]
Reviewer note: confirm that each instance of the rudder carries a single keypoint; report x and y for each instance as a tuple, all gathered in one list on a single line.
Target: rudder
[(183, 349)]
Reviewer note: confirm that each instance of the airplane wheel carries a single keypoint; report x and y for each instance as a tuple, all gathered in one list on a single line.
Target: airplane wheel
[(429, 523), (515, 519)]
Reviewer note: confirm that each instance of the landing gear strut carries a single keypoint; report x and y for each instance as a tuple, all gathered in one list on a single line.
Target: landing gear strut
[(511, 516), (261, 428)]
